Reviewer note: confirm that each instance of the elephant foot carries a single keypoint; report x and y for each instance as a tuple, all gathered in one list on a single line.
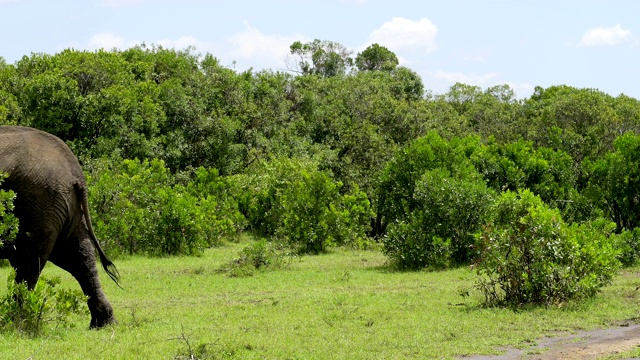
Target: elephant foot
[(101, 313), (100, 323)]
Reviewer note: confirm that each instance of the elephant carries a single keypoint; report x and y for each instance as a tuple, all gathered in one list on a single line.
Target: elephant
[(52, 209)]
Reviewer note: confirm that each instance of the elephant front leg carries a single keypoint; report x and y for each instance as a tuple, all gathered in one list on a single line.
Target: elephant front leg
[(28, 260)]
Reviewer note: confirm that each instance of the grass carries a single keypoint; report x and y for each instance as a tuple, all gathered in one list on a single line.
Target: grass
[(343, 305)]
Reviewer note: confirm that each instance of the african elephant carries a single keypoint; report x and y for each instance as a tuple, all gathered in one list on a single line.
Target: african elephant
[(54, 223)]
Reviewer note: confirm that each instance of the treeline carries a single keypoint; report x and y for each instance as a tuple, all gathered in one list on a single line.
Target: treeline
[(182, 152)]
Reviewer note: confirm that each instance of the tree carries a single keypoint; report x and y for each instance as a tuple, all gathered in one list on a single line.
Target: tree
[(376, 57), (615, 182), (582, 122), (324, 58), (493, 112)]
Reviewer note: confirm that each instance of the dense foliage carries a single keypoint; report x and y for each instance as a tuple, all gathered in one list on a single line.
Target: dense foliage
[(528, 254), (182, 152)]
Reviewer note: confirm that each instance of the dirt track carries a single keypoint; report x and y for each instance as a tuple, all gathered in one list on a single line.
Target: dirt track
[(595, 344)]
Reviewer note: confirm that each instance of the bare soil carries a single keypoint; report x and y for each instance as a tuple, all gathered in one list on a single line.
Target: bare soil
[(595, 344)]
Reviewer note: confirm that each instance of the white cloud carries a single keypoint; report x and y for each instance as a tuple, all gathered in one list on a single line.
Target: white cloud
[(404, 34), (602, 36), (7, 1), (521, 89), (110, 41), (263, 51), (183, 43)]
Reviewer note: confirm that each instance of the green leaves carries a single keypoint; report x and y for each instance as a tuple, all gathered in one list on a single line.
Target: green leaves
[(27, 312), (323, 58), (295, 202), (433, 201), (140, 209), (8, 221), (529, 255), (376, 58)]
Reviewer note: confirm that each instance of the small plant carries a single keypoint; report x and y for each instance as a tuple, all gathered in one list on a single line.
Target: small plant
[(261, 255), (27, 311), (201, 352)]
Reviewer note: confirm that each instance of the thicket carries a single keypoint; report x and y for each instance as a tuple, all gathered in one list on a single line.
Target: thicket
[(182, 152)]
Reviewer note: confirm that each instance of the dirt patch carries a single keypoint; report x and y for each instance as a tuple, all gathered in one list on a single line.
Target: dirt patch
[(582, 345)]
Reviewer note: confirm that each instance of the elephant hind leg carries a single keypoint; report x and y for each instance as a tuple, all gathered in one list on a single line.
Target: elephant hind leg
[(77, 256), (28, 260)]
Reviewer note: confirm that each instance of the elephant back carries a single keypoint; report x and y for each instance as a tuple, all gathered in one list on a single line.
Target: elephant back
[(33, 157)]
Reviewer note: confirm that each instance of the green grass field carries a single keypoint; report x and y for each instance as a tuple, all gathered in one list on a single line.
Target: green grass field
[(343, 305)]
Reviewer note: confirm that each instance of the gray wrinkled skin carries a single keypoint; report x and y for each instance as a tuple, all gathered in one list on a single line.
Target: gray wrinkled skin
[(54, 222)]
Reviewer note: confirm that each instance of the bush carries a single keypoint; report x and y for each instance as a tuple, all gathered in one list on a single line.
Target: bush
[(27, 311), (548, 173), (628, 242), (433, 201), (295, 202), (440, 231), (528, 255), (140, 209), (399, 180), (8, 222)]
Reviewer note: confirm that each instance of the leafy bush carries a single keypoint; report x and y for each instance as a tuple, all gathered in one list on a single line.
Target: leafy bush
[(398, 182), (28, 311), (528, 255), (440, 230), (139, 209), (628, 242), (433, 201), (296, 203), (548, 173), (8, 222)]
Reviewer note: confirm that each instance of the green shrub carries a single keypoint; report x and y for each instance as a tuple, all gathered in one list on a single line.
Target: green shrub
[(440, 231), (628, 242), (140, 209), (548, 173), (528, 255), (28, 311), (8, 222), (399, 180), (433, 201), (295, 202)]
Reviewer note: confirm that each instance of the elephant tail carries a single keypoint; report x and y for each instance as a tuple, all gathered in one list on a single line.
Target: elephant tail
[(107, 264)]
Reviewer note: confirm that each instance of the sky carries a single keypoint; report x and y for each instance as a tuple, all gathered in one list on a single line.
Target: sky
[(521, 43)]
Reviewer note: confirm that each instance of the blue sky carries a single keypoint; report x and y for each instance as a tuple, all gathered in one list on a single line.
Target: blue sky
[(581, 43)]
